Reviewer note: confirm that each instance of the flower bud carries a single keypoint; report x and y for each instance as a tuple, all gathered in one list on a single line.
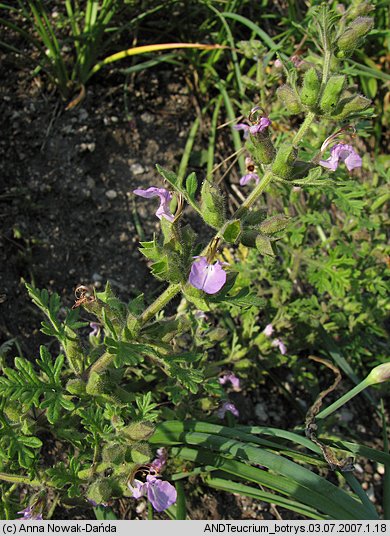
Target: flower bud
[(114, 453), (354, 36), (351, 106), (138, 431), (379, 374), (141, 452), (212, 205), (290, 99), (284, 161), (100, 491), (361, 9), (310, 87), (331, 96)]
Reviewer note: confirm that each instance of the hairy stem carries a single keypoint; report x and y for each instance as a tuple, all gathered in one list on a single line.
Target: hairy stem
[(303, 128)]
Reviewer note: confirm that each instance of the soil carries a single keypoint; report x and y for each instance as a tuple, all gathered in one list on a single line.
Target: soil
[(67, 209)]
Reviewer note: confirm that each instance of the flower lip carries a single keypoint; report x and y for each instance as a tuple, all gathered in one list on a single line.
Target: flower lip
[(206, 276), (165, 198), (342, 153)]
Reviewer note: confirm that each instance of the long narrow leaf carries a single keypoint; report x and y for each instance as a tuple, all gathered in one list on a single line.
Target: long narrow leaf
[(150, 48)]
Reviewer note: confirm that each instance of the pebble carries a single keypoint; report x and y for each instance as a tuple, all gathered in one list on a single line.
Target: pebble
[(137, 169), (84, 147), (260, 412), (111, 194), (90, 183), (380, 469), (371, 494), (147, 117), (346, 415), (97, 277)]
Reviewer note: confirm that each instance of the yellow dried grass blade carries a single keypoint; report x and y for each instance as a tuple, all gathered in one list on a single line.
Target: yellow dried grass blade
[(144, 49)]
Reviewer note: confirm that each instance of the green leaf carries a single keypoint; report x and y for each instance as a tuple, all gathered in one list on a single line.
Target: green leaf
[(191, 185), (264, 245), (232, 231), (169, 176)]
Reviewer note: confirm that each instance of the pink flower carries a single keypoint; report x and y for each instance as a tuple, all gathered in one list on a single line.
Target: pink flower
[(268, 330), (344, 153), (227, 406), (160, 493), (231, 378), (261, 124), (250, 175), (165, 199), (207, 277), (280, 344)]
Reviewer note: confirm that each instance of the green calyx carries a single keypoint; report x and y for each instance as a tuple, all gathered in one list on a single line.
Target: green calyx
[(310, 89), (351, 106), (283, 164), (354, 36), (261, 148), (114, 453), (100, 491), (212, 205), (289, 99), (138, 431), (141, 452), (331, 95)]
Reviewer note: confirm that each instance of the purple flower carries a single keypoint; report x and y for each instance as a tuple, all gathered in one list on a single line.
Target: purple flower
[(280, 344), (261, 125), (227, 406), (95, 327), (268, 330), (244, 127), (207, 277), (160, 462), (160, 493), (249, 177), (32, 513), (165, 199), (344, 153), (231, 378)]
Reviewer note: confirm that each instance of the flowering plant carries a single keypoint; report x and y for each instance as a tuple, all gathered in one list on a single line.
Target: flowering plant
[(143, 377)]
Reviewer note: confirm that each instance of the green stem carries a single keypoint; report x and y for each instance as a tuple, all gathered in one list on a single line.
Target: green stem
[(303, 128), (254, 195), (159, 303), (18, 479), (344, 399)]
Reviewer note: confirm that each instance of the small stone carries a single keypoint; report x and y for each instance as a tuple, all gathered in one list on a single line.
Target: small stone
[(140, 507), (260, 412), (346, 415), (147, 118), (83, 114), (380, 469), (90, 183), (84, 147), (137, 169), (97, 277), (371, 494), (111, 194), (114, 119)]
